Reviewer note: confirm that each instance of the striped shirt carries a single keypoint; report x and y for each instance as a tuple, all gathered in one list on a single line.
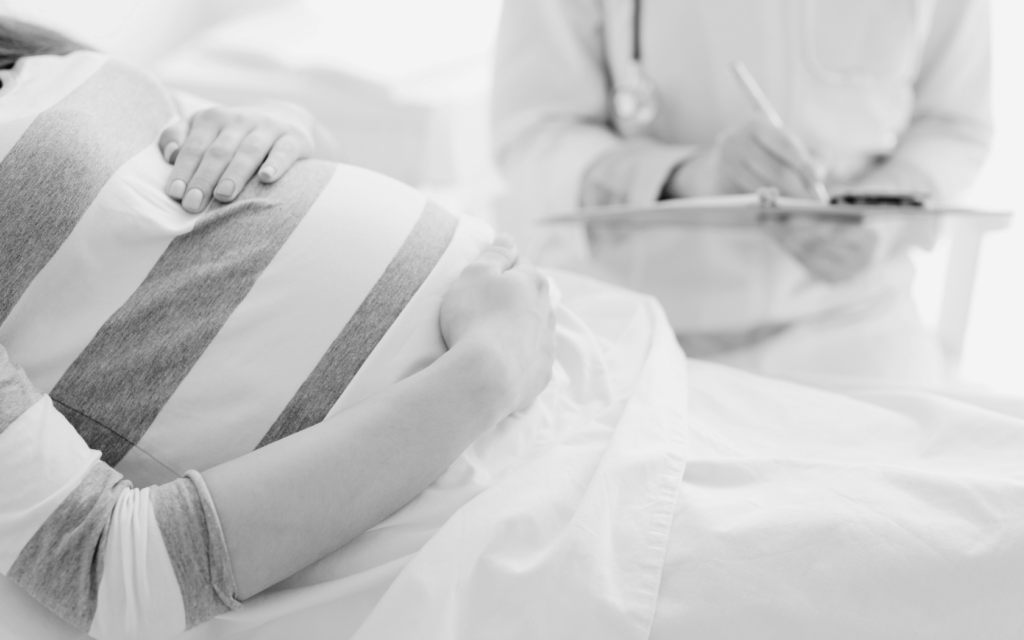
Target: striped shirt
[(143, 345)]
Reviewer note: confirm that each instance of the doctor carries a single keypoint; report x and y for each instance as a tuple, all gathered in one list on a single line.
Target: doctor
[(631, 101)]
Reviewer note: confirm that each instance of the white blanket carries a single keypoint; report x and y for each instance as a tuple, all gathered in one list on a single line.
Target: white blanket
[(553, 525), (803, 514), (881, 513)]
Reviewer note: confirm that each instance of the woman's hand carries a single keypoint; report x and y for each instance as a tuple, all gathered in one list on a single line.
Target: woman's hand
[(744, 159), (831, 250), (218, 150), (500, 304)]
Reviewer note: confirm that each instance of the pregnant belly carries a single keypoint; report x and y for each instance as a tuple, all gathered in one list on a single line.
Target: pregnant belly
[(247, 324)]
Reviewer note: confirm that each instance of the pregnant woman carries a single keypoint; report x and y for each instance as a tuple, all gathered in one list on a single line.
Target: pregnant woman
[(115, 301), (315, 392)]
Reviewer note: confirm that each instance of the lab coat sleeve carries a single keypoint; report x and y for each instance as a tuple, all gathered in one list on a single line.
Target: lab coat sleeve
[(949, 135), (112, 560), (553, 136)]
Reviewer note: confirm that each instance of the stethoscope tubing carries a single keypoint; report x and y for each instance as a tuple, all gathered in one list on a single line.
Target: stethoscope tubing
[(637, 40), (634, 100)]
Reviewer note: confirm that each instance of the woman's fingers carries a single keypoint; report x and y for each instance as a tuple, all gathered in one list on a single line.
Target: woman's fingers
[(251, 152), (211, 167), (220, 150), (500, 256), (501, 303), (171, 140), (201, 135), (284, 153)]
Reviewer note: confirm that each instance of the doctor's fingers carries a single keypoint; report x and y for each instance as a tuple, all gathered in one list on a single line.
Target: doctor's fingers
[(831, 251), (790, 151), (752, 167), (208, 167), (839, 262)]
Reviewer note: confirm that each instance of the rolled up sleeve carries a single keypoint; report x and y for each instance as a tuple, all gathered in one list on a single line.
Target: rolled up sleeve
[(112, 560)]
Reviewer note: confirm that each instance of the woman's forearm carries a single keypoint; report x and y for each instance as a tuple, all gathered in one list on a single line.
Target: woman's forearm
[(184, 551), (284, 506)]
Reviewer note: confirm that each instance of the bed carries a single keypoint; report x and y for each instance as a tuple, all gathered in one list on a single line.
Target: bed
[(644, 496)]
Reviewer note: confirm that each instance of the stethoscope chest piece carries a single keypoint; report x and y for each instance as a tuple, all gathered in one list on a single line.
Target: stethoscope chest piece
[(635, 103)]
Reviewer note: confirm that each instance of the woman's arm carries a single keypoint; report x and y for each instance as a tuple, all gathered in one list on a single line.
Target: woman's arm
[(122, 562), (286, 505), (290, 503)]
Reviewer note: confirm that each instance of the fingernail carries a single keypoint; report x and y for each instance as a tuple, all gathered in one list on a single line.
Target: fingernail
[(177, 189), (193, 200), (267, 172), (170, 150), (225, 189)]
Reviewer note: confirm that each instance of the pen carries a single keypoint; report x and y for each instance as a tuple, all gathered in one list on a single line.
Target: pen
[(761, 102)]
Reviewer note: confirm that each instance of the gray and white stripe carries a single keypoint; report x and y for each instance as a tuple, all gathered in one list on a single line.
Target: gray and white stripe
[(81, 141), (195, 543), (16, 392), (61, 566), (403, 277), (118, 385)]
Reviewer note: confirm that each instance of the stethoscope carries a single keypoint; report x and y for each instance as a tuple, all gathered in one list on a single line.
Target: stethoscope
[(634, 100)]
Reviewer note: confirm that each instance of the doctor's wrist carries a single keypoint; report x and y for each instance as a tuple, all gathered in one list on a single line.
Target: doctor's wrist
[(694, 177), (669, 190)]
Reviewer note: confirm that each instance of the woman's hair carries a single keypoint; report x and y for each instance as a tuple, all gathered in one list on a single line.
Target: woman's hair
[(19, 39)]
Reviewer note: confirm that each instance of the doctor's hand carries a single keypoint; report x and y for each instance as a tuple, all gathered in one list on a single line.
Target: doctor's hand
[(743, 159), (500, 306), (831, 250), (218, 150)]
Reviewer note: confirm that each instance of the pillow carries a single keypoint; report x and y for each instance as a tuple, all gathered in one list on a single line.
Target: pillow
[(176, 342)]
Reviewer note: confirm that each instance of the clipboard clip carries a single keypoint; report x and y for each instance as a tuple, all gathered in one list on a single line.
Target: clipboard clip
[(774, 209)]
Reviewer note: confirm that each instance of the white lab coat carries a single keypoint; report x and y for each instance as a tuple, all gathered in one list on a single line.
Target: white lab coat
[(858, 80)]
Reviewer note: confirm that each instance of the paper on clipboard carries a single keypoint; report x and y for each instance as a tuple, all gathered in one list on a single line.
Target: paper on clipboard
[(750, 209)]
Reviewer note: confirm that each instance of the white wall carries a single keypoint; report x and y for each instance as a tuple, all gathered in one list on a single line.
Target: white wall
[(994, 352), (138, 30)]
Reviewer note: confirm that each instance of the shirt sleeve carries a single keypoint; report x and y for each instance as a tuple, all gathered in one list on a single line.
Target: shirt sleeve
[(553, 136), (951, 128), (112, 560)]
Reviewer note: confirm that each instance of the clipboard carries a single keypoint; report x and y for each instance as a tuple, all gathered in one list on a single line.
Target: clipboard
[(751, 209)]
